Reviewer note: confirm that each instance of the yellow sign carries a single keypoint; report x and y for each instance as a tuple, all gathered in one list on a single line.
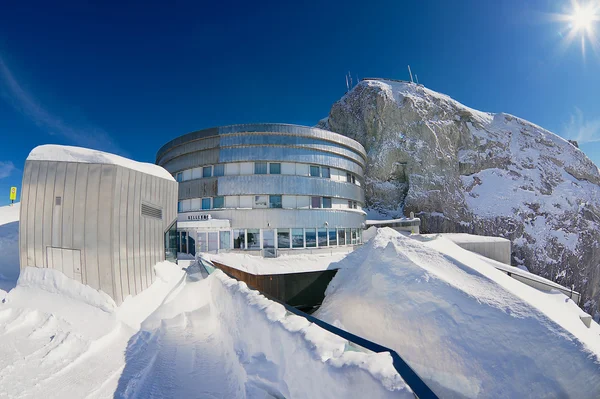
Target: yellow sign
[(13, 193)]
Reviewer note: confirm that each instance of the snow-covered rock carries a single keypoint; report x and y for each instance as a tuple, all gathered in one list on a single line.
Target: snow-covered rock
[(467, 329), (9, 246), (462, 170)]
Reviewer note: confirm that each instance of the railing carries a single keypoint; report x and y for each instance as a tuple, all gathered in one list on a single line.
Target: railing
[(412, 379)]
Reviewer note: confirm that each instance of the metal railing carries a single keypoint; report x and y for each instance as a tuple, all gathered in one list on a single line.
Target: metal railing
[(412, 379)]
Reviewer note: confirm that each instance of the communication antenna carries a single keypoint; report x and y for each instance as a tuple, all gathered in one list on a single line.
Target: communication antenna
[(350, 76), (410, 73), (417, 78), (347, 86)]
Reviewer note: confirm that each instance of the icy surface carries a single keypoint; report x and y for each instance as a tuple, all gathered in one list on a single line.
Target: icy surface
[(468, 329), (9, 247), (51, 152)]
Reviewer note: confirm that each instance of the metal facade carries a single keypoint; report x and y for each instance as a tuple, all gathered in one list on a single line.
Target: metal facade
[(85, 220)]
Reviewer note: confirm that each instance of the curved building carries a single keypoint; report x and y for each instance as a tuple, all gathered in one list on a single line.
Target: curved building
[(266, 187)]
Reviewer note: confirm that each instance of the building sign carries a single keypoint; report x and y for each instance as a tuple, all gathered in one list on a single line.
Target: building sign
[(13, 193), (198, 216)]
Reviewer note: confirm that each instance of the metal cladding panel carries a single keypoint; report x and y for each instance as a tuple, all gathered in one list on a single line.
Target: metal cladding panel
[(136, 232), (123, 236), (115, 233), (57, 214), (48, 208), (105, 242), (39, 215), (31, 206), (79, 216), (91, 265), (68, 205), (289, 154), (290, 218), (192, 160), (185, 139), (288, 185), (207, 187), (192, 146), (23, 214)]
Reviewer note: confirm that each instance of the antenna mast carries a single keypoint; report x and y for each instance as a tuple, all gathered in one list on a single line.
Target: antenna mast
[(410, 73), (417, 78)]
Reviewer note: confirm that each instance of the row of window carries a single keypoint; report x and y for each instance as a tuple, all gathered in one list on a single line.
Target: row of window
[(260, 201), (260, 168), (274, 238)]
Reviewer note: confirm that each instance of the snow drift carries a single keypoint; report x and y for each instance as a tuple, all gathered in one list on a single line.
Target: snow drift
[(9, 247), (468, 329)]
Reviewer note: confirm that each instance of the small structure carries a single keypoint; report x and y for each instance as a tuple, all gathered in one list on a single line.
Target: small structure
[(410, 224), (101, 219), (496, 248)]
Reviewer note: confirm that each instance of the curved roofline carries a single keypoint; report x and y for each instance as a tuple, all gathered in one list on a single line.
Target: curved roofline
[(247, 128)]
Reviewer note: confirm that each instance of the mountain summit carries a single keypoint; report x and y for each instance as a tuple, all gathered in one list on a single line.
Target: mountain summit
[(462, 170)]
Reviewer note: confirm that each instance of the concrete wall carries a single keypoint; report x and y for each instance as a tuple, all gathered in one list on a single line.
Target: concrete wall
[(496, 248), (85, 220)]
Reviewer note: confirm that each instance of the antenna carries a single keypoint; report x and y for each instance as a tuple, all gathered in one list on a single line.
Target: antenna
[(417, 78), (410, 73), (347, 87), (350, 76)]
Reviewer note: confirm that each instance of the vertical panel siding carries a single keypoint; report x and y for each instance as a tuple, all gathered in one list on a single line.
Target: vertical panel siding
[(116, 244), (123, 236), (105, 207), (79, 219), (39, 215), (91, 226), (136, 231), (69, 206), (48, 207), (24, 215), (129, 230), (57, 214), (143, 247)]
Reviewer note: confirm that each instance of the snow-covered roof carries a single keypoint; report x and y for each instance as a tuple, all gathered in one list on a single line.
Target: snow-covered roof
[(463, 238), (62, 153), (391, 221)]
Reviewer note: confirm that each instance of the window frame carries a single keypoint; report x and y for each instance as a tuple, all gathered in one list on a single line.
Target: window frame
[(328, 199), (209, 203), (204, 169), (310, 170), (328, 169), (312, 203), (260, 163), (221, 167), (221, 198), (280, 201), (271, 164)]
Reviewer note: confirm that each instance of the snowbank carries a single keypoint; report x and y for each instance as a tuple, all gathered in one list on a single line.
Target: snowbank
[(62, 153), (467, 329), (9, 246)]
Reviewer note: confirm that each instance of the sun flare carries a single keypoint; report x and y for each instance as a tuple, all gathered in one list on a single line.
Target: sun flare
[(583, 18)]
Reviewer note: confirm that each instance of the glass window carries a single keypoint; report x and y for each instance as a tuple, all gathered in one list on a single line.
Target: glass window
[(275, 168), (283, 238), (179, 177), (297, 238), (268, 239), (274, 201), (341, 237), (183, 242), (213, 237), (219, 170), (314, 171), (349, 177), (354, 205), (325, 172), (311, 238), (332, 237), (253, 236), (260, 201), (322, 236), (218, 202), (224, 240), (353, 236), (239, 239), (179, 206), (171, 243), (202, 243), (353, 179), (260, 168), (207, 171), (326, 202), (191, 244), (205, 203), (358, 236), (315, 202), (348, 235)]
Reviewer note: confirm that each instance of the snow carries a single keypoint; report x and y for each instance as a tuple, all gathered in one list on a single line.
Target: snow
[(9, 247), (390, 221), (468, 329), (284, 263), (463, 238), (51, 152)]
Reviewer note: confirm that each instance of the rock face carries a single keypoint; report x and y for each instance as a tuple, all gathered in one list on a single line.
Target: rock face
[(462, 170)]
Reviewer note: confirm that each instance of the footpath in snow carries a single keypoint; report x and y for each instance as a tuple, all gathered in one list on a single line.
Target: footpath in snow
[(468, 329)]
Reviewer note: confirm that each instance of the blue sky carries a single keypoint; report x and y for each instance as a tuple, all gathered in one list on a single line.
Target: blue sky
[(127, 77)]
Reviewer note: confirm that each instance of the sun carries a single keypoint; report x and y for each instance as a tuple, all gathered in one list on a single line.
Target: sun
[(583, 18), (580, 23)]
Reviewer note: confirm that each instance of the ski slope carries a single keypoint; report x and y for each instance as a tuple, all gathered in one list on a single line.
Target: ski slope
[(468, 329)]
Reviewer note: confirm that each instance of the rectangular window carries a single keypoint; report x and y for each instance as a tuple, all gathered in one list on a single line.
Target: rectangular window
[(353, 179), (179, 206), (224, 240), (341, 237), (260, 201), (253, 237), (275, 168), (348, 235), (218, 202), (213, 241), (315, 202), (268, 239), (354, 205), (239, 239), (353, 236), (350, 204), (202, 242), (274, 201), (326, 202), (184, 242), (191, 244), (325, 172), (322, 236), (219, 170), (332, 237), (311, 238), (297, 238), (205, 203), (179, 177), (283, 238), (207, 171), (260, 168), (314, 171)]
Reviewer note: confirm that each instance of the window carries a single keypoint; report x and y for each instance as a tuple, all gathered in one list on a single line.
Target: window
[(179, 206), (191, 244), (326, 202), (219, 170), (183, 242), (283, 238), (207, 171), (275, 168), (239, 239), (341, 237), (171, 243), (260, 201), (297, 238), (202, 242), (353, 179), (332, 237), (224, 240), (348, 235), (218, 202), (311, 238), (274, 201), (205, 203), (260, 168), (179, 177), (268, 239), (253, 237), (349, 177), (353, 236), (352, 204), (315, 202), (325, 172), (322, 236), (213, 241), (314, 171)]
